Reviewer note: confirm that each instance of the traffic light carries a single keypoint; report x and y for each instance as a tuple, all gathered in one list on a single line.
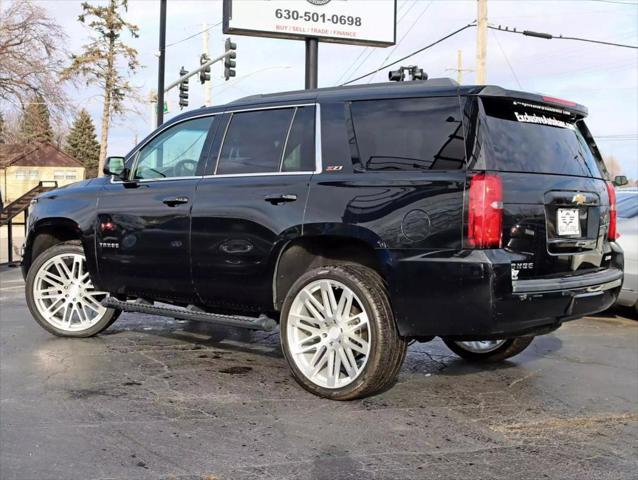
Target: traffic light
[(183, 89), (418, 73), (204, 75), (229, 62), (413, 71), (396, 75)]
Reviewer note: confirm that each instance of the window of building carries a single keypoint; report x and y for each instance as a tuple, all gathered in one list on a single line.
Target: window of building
[(409, 134), (255, 141), (34, 174), (21, 174), (176, 152), (59, 175), (71, 175)]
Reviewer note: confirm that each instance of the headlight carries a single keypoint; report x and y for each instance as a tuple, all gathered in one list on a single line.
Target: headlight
[(32, 204)]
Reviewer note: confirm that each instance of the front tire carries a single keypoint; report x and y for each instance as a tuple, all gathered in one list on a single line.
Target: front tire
[(488, 351), (61, 297), (338, 333)]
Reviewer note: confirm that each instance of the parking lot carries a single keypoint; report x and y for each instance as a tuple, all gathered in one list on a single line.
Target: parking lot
[(152, 398)]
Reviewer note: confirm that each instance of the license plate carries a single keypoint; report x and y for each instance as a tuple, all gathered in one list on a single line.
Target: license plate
[(567, 221)]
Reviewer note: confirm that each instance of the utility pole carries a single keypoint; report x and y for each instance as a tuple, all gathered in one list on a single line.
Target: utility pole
[(207, 85), (161, 65), (481, 43), (152, 99), (459, 67), (312, 63)]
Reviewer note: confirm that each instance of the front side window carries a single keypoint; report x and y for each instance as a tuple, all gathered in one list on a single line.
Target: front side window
[(174, 153), (409, 134)]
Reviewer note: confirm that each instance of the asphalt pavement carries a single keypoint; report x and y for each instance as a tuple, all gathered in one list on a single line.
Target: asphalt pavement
[(153, 398)]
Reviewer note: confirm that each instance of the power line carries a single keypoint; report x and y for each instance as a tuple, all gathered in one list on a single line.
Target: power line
[(416, 20), (617, 2), (549, 36), (469, 25), (507, 60), (371, 50), (194, 35)]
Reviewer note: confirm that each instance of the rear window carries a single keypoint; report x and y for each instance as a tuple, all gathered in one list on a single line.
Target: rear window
[(409, 134), (536, 138)]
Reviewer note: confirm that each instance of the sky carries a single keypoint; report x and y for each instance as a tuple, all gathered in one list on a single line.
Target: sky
[(604, 78)]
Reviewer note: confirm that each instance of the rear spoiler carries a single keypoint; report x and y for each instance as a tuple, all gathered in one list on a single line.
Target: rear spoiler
[(572, 107)]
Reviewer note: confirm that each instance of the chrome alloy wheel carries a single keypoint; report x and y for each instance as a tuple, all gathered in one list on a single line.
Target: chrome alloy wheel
[(481, 346), (64, 294), (329, 334)]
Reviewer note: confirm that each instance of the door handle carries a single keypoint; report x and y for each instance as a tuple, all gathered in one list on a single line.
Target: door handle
[(280, 198), (172, 202)]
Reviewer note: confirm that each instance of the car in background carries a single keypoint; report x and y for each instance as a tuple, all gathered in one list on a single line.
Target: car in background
[(627, 211)]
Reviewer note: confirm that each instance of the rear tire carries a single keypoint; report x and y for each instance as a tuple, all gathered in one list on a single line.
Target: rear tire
[(338, 333), (61, 297), (508, 348)]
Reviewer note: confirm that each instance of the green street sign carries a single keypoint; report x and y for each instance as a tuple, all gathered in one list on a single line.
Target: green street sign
[(165, 107)]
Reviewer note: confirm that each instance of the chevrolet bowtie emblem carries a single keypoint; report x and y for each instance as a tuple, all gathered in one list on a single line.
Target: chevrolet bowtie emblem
[(579, 199)]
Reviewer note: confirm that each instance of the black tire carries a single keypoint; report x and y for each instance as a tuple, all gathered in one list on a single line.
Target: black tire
[(511, 347), (103, 323), (387, 347)]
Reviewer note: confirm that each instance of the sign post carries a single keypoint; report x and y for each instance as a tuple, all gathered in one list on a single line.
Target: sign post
[(312, 63), (357, 22)]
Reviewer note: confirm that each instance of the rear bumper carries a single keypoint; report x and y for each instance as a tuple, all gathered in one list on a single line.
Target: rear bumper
[(470, 295)]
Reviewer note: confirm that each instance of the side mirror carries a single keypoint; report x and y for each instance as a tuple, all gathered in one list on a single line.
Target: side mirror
[(114, 166), (620, 181)]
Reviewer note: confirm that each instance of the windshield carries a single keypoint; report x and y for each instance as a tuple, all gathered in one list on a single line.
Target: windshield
[(536, 138), (627, 204)]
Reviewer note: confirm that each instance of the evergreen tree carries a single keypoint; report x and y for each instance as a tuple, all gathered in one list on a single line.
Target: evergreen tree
[(106, 59), (82, 144), (35, 125)]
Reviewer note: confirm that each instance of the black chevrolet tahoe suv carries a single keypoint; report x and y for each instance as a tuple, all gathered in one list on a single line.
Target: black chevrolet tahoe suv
[(356, 218)]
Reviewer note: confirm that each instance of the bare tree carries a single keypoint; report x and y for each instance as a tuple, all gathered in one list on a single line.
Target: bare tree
[(31, 56), (613, 166), (102, 60)]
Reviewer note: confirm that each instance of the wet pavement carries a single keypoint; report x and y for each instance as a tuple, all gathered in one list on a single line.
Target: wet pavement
[(152, 398)]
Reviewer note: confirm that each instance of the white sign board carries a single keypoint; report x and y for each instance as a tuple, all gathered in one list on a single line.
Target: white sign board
[(361, 22)]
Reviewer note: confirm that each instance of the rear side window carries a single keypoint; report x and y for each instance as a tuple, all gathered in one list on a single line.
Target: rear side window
[(535, 138), (254, 142), (409, 134), (269, 141), (300, 146)]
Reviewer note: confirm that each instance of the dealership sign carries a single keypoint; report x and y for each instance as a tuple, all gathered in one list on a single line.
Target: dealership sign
[(361, 22)]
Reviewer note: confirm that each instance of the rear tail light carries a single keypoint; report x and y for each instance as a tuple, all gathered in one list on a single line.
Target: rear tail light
[(485, 211), (612, 233)]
